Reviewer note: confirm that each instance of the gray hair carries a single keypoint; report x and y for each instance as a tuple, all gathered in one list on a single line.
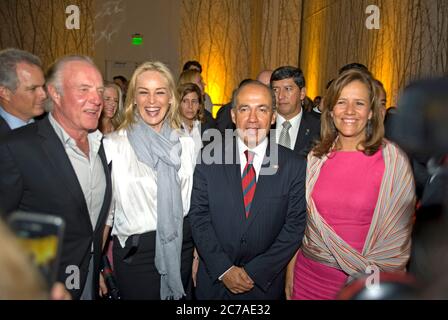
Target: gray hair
[(54, 74), (257, 83), (9, 58)]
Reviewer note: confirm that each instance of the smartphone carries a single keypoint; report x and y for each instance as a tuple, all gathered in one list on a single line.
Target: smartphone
[(41, 237)]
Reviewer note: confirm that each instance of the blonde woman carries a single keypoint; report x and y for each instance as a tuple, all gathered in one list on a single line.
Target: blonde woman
[(152, 173), (112, 114)]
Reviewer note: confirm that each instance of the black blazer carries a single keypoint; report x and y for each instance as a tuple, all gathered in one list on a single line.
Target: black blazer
[(224, 118), (265, 242), (37, 176), (209, 122), (309, 133), (4, 127)]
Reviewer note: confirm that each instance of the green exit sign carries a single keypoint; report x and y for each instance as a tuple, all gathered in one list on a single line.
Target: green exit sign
[(137, 40)]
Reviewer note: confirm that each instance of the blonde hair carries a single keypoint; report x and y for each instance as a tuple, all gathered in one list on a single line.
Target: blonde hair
[(118, 117), (172, 117)]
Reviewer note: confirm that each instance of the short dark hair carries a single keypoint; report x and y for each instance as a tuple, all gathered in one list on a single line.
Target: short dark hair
[(247, 82), (354, 65), (122, 78), (191, 63), (287, 72)]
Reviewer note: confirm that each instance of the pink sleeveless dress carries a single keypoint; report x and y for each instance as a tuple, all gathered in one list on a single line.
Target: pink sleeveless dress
[(345, 195)]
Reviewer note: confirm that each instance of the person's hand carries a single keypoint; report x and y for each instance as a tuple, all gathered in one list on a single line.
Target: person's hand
[(59, 292), (289, 283), (195, 266), (237, 280), (103, 287)]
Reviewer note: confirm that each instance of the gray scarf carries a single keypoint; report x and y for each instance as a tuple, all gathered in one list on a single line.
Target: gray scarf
[(161, 152)]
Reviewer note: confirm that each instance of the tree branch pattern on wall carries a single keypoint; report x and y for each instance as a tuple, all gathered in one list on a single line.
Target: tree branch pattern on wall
[(38, 26), (236, 39)]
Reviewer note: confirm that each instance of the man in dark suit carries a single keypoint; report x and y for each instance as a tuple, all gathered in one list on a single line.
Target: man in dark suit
[(58, 166), (248, 211), (296, 129), (22, 93)]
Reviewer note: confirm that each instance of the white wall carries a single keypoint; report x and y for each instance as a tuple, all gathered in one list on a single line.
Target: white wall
[(158, 21)]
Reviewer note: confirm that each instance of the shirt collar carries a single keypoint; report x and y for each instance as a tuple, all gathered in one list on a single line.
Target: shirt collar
[(94, 137), (12, 121), (196, 126), (259, 150), (294, 121)]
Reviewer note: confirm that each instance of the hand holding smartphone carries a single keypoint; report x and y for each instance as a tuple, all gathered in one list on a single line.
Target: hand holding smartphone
[(41, 237)]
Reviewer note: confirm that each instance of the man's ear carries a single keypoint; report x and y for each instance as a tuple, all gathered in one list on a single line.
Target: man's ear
[(5, 93), (53, 94), (274, 117), (302, 93), (232, 114)]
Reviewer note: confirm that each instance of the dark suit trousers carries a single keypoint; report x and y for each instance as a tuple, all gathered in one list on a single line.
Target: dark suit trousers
[(137, 276)]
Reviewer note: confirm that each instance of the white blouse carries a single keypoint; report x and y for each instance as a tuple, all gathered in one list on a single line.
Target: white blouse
[(134, 186), (195, 133)]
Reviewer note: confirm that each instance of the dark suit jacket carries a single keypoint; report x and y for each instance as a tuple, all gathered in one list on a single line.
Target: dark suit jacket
[(209, 123), (4, 127), (309, 132), (224, 118), (265, 242), (37, 176)]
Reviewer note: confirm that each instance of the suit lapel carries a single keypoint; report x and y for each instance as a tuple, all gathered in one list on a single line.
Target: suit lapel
[(108, 192), (233, 174), (63, 168), (264, 184), (4, 127), (303, 135)]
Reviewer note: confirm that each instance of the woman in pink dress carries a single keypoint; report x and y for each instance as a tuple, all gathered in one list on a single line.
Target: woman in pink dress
[(360, 196)]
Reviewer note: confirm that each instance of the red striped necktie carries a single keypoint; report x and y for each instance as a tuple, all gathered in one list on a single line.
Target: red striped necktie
[(249, 181)]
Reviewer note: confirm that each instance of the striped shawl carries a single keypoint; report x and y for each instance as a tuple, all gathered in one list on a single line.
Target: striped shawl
[(388, 242)]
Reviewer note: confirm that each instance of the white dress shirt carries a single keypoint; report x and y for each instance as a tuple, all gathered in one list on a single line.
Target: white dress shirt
[(89, 170), (293, 131), (259, 152), (134, 186), (195, 133)]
